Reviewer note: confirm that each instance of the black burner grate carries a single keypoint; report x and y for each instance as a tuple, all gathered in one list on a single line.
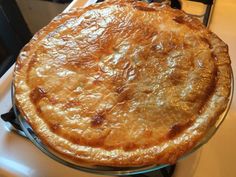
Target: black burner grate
[(163, 172)]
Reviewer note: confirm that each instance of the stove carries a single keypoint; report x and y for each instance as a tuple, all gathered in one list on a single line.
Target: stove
[(201, 9)]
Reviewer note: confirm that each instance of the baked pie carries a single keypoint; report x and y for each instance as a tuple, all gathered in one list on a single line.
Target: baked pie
[(122, 83)]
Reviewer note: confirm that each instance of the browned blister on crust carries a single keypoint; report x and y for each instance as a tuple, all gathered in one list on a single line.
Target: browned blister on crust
[(123, 83)]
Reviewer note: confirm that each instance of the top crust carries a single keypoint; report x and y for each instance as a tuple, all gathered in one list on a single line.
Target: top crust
[(122, 83)]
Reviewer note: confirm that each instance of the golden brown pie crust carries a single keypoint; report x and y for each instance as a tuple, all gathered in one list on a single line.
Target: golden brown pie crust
[(123, 83)]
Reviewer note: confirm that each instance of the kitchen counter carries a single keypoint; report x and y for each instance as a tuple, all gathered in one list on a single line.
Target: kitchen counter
[(18, 157)]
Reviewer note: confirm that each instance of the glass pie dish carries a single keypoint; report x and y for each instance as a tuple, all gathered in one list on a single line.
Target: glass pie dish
[(105, 170)]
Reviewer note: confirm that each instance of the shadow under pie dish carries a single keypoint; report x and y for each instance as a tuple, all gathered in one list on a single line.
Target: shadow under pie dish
[(122, 84)]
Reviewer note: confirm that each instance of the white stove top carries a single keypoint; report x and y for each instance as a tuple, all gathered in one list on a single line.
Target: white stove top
[(19, 157)]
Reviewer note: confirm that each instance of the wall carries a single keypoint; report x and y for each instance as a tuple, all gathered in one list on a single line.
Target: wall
[(38, 13)]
